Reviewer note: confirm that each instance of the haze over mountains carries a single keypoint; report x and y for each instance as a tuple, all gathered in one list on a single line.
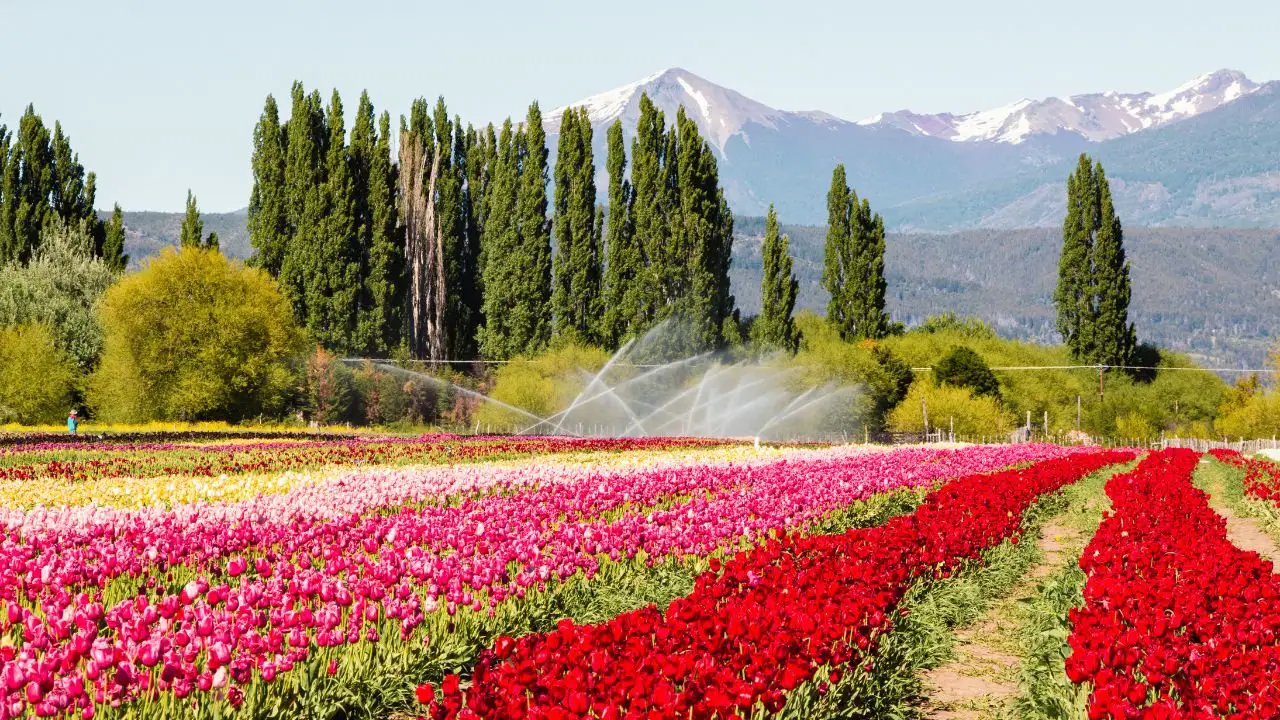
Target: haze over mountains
[(1202, 154)]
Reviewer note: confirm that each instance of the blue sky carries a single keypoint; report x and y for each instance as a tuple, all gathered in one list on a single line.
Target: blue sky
[(161, 96)]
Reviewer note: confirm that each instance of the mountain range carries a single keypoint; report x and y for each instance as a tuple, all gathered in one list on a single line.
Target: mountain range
[(1202, 154)]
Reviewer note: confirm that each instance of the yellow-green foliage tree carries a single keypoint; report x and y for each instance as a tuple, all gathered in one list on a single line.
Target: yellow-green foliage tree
[(541, 385), (195, 336), (972, 415), (36, 378), (880, 378)]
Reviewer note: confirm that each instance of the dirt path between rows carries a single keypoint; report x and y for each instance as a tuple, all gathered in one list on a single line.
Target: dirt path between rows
[(1245, 533), (983, 677)]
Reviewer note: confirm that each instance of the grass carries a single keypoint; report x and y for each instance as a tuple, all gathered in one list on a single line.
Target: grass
[(925, 632), (1041, 621)]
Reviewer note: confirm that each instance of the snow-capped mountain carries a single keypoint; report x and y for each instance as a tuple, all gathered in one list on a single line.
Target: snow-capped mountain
[(938, 171), (1095, 116), (720, 112)]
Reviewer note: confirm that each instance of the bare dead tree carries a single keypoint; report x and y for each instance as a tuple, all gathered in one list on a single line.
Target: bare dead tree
[(423, 250)]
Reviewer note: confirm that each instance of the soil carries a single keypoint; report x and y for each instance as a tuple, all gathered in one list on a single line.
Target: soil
[(983, 677), (1245, 533)]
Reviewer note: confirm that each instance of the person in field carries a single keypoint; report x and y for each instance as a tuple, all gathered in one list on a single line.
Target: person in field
[(72, 422)]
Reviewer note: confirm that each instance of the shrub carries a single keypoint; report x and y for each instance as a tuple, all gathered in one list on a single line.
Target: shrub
[(1133, 426), (331, 393), (541, 385), (59, 288), (973, 415), (965, 368), (195, 336), (1258, 416), (36, 378)]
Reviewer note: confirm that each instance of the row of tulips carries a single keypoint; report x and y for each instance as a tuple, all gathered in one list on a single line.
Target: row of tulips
[(1178, 622), (223, 596), (164, 493), (1261, 477), (769, 619), (25, 463)]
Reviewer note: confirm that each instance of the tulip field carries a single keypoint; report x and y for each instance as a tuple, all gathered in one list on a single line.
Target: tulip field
[(485, 577)]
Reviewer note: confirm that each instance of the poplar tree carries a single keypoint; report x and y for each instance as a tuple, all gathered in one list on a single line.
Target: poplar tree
[(305, 152), (576, 296), (451, 222), (268, 213), (1094, 289), (501, 241), (531, 307), (774, 328), (853, 263), (478, 149), (384, 279), (113, 242), (650, 194), (624, 266), (192, 232), (41, 179)]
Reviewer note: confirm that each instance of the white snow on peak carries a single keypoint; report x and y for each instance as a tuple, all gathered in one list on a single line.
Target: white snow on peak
[(1096, 117), (720, 113), (698, 97)]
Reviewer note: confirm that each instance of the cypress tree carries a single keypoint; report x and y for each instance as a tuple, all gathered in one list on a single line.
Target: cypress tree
[(869, 244), (305, 150), (650, 202), (8, 196), (113, 242), (774, 328), (853, 263), (268, 214), (500, 240), (1094, 289), (621, 295), (360, 151), (382, 316), (466, 308), (451, 223), (333, 277), (1073, 295), (532, 300), (192, 232), (31, 166), (576, 297), (479, 149)]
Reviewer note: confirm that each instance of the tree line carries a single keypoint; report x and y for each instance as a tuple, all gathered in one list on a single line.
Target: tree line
[(41, 183), (446, 249)]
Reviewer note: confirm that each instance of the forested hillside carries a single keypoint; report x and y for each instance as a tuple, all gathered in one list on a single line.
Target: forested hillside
[(1209, 292)]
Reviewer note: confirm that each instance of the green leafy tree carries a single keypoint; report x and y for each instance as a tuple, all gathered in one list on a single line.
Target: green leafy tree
[(211, 242), (480, 148), (269, 231), (41, 179), (37, 379), (192, 233), (305, 153), (383, 292), (195, 336), (534, 297), (962, 367), (333, 277), (774, 328), (517, 275), (624, 268), (576, 296), (113, 242), (1093, 291), (58, 289), (500, 242), (853, 269)]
